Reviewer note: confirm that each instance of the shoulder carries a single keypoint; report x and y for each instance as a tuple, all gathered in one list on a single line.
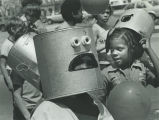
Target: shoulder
[(5, 48), (112, 21), (6, 44), (99, 30), (108, 69), (46, 108), (96, 27), (7, 41)]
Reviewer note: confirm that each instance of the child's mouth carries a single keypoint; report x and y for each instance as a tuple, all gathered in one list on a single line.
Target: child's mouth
[(116, 60)]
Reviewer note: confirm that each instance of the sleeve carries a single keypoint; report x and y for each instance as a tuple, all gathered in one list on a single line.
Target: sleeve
[(5, 48), (107, 83)]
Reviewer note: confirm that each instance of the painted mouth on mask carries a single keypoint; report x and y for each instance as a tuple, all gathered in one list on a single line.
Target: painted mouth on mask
[(82, 62)]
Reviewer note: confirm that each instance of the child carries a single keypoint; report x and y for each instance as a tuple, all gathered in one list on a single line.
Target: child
[(32, 13), (24, 94), (71, 11), (100, 29), (104, 18), (126, 50), (72, 14)]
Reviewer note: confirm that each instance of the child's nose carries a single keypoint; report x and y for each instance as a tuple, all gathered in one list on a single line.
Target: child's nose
[(106, 14), (114, 52)]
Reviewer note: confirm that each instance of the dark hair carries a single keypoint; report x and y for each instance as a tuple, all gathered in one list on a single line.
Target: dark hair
[(108, 8), (68, 7), (130, 37), (31, 2), (33, 11), (16, 27)]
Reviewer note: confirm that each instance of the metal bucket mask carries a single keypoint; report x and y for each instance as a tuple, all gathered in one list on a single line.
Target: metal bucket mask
[(67, 61), (137, 20), (22, 59)]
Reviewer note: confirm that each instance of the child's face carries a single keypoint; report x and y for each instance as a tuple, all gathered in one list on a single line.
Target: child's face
[(120, 52), (30, 19), (103, 18)]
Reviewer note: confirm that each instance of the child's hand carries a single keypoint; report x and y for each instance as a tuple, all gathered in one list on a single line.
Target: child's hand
[(145, 43)]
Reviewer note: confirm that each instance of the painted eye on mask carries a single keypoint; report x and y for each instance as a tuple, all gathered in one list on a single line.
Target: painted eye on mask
[(75, 42), (126, 18), (86, 40)]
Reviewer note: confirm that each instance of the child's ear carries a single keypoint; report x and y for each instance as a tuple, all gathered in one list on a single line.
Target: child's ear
[(132, 50)]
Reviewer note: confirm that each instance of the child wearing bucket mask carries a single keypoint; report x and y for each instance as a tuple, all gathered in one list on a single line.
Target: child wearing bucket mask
[(72, 14), (71, 11), (25, 96), (126, 47)]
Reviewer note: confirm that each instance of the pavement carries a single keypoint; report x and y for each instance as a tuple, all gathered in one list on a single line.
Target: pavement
[(6, 98)]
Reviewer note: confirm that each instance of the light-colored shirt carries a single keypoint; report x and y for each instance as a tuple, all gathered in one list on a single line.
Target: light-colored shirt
[(30, 94), (99, 32), (6, 47), (50, 111)]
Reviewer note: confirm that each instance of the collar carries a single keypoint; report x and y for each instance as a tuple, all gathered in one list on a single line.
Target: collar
[(136, 64)]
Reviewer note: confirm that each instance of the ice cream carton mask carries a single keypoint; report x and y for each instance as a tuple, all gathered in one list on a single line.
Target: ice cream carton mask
[(68, 62), (137, 20), (22, 59)]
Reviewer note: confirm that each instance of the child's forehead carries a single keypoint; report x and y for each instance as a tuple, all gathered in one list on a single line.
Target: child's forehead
[(115, 41), (121, 36)]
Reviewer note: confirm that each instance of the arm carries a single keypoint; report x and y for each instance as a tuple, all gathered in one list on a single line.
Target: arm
[(20, 103), (16, 93), (5, 74), (155, 60)]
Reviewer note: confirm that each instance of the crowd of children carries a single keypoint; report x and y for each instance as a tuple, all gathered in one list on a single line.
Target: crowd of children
[(25, 95), (123, 48)]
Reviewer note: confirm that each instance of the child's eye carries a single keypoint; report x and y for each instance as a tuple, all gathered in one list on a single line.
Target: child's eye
[(119, 49)]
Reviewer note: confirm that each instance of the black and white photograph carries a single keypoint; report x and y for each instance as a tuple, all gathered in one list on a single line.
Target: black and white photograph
[(79, 59)]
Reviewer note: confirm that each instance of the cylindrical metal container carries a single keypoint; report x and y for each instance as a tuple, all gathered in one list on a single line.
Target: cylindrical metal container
[(138, 20), (22, 59), (67, 62)]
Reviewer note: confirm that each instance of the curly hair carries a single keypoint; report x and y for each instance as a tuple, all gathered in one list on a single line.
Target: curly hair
[(33, 11), (16, 27), (68, 7), (130, 37)]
